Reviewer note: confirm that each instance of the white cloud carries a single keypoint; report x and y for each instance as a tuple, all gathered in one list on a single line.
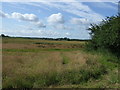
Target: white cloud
[(77, 8), (56, 19), (36, 5), (82, 23), (25, 17), (68, 34), (79, 21), (32, 33), (40, 24)]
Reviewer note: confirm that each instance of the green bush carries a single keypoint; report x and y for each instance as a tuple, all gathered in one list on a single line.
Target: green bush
[(106, 35)]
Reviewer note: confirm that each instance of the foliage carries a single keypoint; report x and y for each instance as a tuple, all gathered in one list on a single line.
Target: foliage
[(106, 34)]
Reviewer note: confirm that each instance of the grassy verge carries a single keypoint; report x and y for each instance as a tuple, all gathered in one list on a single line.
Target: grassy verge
[(110, 61)]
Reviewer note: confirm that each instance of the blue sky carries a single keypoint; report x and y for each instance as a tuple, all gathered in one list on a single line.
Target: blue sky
[(53, 19)]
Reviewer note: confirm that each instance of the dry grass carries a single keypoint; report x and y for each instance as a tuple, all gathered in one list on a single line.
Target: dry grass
[(32, 68), (38, 46), (26, 41), (40, 62), (36, 63), (28, 64)]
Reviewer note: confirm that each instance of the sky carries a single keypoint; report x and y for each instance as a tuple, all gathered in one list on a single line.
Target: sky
[(53, 19)]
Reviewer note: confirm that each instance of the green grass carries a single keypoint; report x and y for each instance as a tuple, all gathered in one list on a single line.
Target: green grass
[(110, 62), (105, 57), (66, 60)]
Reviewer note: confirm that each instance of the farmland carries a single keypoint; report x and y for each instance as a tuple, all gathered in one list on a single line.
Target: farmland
[(35, 63)]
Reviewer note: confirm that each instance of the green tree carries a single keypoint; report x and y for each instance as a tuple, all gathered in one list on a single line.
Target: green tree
[(106, 34)]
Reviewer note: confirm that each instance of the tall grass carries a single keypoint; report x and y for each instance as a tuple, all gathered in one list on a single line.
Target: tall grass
[(55, 67), (91, 69)]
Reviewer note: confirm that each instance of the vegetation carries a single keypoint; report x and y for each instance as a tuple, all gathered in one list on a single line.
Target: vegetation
[(106, 39), (54, 39), (25, 65), (2, 35), (106, 35)]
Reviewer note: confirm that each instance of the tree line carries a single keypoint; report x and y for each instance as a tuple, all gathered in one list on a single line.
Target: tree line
[(57, 39)]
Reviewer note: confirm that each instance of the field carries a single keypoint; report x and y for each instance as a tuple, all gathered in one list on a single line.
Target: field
[(35, 63)]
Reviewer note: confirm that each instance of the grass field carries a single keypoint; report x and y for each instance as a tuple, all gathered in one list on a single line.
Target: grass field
[(34, 63)]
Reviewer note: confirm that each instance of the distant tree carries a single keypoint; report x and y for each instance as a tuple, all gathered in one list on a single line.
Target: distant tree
[(2, 35)]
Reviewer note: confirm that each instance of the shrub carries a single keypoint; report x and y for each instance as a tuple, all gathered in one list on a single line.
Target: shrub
[(106, 35)]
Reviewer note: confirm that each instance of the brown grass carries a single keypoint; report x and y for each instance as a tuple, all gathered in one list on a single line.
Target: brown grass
[(21, 64), (40, 62), (17, 43), (35, 63)]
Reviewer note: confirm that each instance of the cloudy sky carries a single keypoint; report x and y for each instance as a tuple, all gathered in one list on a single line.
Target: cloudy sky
[(53, 19)]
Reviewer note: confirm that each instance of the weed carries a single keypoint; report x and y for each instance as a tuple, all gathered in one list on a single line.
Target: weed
[(65, 59)]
